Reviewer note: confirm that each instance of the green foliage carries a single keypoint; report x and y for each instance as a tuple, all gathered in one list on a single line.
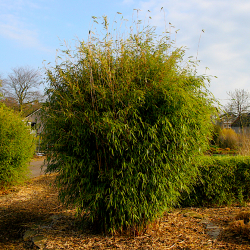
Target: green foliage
[(16, 148), (123, 122), (222, 180), (216, 131)]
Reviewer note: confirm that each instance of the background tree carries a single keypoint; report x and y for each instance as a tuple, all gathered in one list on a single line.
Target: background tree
[(1, 95), (1, 82), (239, 103), (237, 109), (21, 88)]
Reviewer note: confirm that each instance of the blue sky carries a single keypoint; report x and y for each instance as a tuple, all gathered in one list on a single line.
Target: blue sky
[(32, 30)]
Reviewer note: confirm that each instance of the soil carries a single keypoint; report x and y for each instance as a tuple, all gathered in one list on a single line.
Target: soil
[(35, 206)]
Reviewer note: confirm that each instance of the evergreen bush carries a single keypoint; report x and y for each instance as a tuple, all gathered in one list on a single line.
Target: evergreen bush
[(16, 148), (123, 122), (222, 180), (216, 132)]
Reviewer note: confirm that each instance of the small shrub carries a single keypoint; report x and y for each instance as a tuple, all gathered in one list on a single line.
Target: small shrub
[(228, 139), (245, 216), (16, 148), (216, 131), (241, 225), (222, 180)]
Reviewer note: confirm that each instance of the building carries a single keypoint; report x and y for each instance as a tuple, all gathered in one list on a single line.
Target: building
[(241, 124), (35, 122)]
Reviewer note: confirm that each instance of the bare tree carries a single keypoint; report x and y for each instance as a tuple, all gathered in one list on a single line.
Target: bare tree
[(1, 87), (239, 102), (22, 86)]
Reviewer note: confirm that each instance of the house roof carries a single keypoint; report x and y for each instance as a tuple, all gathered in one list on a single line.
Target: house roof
[(242, 121), (32, 113)]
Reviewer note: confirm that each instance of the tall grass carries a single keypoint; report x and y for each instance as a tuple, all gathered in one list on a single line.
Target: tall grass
[(244, 143), (228, 139)]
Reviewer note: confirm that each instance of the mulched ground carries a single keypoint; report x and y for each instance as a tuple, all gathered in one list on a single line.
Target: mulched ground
[(35, 206)]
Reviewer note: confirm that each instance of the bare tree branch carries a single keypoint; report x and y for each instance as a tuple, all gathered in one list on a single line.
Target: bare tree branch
[(239, 103), (1, 94), (22, 85)]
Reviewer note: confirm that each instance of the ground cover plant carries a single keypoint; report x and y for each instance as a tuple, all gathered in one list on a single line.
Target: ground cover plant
[(122, 124), (222, 180), (216, 150), (16, 148)]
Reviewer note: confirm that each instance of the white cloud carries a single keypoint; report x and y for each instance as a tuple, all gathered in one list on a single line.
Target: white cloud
[(15, 27), (25, 36), (19, 4), (128, 1), (224, 47)]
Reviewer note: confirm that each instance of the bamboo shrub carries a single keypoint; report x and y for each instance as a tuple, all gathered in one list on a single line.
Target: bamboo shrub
[(122, 123)]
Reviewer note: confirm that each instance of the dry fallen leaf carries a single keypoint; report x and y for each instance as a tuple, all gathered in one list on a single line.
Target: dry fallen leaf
[(35, 206)]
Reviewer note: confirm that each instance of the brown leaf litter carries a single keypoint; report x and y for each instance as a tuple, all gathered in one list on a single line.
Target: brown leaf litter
[(34, 212)]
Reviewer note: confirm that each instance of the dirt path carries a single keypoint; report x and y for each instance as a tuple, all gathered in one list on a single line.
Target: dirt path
[(35, 208), (35, 168)]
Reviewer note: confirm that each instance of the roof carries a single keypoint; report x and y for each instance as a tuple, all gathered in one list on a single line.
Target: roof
[(32, 113), (242, 121)]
